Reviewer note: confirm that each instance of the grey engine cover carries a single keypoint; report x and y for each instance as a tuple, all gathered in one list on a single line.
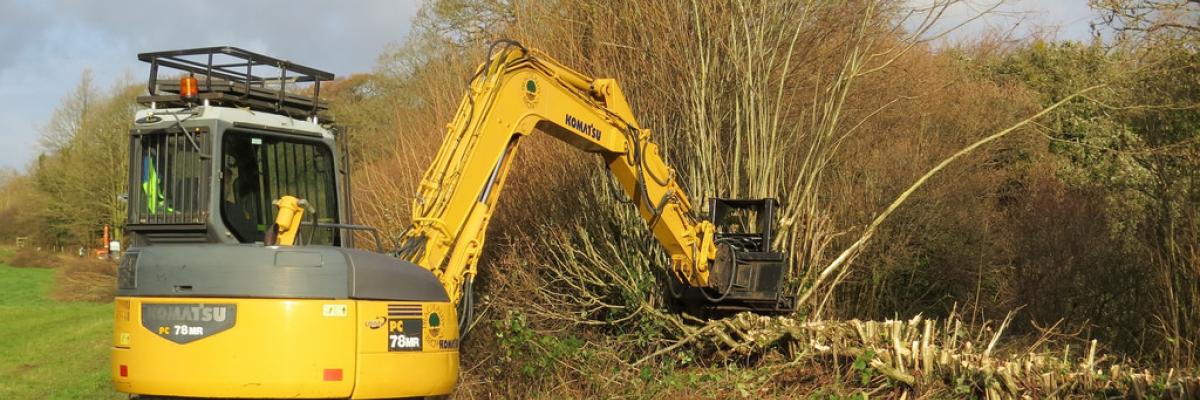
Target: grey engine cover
[(248, 270)]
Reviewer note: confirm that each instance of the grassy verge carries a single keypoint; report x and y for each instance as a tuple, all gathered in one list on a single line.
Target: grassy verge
[(49, 349)]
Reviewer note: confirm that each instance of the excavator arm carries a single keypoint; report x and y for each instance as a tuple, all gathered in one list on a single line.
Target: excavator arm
[(519, 91)]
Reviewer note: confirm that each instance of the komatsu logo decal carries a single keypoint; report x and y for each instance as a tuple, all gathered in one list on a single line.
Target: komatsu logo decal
[(187, 312), (184, 323), (583, 127)]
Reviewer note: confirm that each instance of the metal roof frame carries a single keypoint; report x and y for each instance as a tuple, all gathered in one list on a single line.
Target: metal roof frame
[(240, 72)]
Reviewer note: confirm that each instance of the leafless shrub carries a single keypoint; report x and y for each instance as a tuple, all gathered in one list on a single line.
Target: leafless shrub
[(85, 279), (31, 258)]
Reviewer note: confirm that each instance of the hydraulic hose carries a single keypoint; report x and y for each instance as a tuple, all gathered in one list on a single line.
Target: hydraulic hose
[(466, 307)]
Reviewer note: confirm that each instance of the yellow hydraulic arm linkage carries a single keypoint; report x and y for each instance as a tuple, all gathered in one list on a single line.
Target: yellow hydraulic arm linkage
[(520, 90)]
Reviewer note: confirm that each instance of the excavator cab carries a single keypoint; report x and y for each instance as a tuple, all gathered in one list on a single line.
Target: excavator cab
[(213, 300)]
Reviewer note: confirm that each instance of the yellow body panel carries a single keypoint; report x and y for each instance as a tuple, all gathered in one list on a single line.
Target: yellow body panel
[(279, 348), (431, 371)]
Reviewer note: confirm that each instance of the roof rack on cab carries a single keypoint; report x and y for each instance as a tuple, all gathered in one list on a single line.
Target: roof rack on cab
[(235, 77)]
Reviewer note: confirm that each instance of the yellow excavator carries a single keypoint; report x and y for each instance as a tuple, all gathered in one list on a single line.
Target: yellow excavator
[(244, 280)]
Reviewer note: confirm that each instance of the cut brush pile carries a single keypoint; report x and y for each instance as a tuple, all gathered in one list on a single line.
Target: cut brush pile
[(921, 358)]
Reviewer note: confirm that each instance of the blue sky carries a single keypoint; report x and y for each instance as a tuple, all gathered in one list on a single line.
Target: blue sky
[(46, 44)]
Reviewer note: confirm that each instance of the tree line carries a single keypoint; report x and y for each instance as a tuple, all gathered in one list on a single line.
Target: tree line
[(77, 184)]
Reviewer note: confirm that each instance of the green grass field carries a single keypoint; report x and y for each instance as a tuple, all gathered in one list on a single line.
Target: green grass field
[(50, 349)]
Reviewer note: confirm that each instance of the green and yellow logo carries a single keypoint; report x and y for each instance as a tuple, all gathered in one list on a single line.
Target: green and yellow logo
[(435, 324)]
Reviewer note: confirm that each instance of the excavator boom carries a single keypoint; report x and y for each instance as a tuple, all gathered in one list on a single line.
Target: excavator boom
[(519, 91)]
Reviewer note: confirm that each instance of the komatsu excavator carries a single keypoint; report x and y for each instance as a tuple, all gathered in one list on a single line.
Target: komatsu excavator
[(243, 279)]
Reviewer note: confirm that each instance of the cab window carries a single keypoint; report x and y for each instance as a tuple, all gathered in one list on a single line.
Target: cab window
[(170, 178), (259, 169)]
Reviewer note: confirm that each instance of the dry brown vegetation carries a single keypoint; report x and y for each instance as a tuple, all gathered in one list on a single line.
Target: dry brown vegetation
[(31, 258), (85, 279), (835, 108), (75, 278)]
